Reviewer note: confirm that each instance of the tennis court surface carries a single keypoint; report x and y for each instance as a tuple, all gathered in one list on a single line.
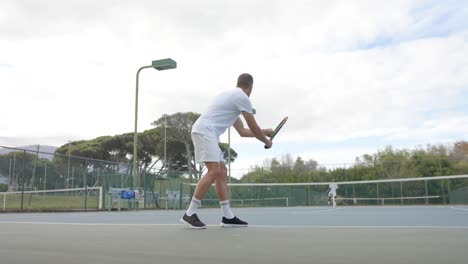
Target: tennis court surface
[(367, 234)]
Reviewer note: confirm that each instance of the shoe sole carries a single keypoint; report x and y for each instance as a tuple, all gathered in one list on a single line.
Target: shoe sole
[(187, 224), (232, 225)]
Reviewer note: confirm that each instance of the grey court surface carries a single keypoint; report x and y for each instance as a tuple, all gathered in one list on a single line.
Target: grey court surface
[(385, 234)]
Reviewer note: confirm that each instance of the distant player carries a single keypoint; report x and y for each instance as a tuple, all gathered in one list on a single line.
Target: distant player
[(332, 193)]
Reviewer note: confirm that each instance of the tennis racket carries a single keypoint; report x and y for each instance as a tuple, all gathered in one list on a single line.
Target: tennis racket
[(277, 129)]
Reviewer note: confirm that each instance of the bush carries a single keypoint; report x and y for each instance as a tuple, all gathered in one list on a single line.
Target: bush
[(3, 187)]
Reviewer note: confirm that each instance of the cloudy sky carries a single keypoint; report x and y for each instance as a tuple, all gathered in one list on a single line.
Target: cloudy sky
[(353, 76)]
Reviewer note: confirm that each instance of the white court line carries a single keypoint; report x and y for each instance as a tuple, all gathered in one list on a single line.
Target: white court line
[(364, 227), (84, 224), (456, 208), (317, 211), (250, 226)]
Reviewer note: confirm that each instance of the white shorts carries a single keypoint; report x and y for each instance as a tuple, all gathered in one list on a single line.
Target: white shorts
[(331, 193), (206, 148)]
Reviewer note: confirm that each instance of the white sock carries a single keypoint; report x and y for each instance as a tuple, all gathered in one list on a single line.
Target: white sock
[(226, 209), (193, 208)]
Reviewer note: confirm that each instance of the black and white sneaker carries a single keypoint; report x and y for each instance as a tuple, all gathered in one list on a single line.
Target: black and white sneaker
[(193, 221), (234, 222)]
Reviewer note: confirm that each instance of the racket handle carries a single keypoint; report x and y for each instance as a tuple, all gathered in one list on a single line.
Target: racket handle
[(266, 147)]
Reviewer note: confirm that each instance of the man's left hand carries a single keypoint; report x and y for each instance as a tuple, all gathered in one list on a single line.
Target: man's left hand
[(268, 132)]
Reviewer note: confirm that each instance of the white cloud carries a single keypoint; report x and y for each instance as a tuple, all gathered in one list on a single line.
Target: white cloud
[(340, 70), (442, 128)]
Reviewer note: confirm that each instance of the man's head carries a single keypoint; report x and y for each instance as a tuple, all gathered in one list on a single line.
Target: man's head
[(245, 81)]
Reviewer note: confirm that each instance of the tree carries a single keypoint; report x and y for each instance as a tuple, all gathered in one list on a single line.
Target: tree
[(459, 157), (181, 128), (21, 174), (224, 148), (282, 170)]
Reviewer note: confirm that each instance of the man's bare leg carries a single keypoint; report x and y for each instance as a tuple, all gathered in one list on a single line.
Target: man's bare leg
[(190, 217), (215, 171), (221, 187), (222, 192)]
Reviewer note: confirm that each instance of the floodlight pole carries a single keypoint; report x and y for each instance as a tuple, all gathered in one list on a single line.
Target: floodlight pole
[(165, 140), (136, 176), (160, 65)]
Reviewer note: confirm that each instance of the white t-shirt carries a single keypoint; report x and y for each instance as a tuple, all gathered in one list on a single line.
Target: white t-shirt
[(333, 187), (222, 112)]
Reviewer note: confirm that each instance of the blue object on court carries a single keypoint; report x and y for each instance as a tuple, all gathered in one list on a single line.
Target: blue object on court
[(127, 194)]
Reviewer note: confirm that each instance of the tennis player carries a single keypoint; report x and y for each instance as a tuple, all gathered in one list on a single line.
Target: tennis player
[(332, 193), (222, 113)]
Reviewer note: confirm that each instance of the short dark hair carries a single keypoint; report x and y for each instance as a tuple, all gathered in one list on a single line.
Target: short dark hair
[(245, 80)]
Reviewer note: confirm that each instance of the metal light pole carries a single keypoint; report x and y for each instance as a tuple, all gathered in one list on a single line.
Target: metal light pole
[(165, 125), (68, 169), (160, 65)]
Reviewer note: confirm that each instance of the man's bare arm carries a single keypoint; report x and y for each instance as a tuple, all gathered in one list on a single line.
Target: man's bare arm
[(246, 132), (243, 132), (254, 129)]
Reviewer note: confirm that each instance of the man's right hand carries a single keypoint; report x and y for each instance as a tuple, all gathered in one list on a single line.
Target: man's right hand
[(268, 144)]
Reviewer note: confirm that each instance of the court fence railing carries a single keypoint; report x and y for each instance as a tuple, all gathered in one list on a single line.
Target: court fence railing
[(72, 199), (30, 171), (31, 175), (434, 190)]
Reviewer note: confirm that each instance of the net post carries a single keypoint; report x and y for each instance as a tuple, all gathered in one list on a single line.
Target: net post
[(4, 201), (181, 187), (85, 186), (354, 194), (448, 191), (23, 180), (401, 192), (100, 198), (443, 192), (377, 193), (425, 186)]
